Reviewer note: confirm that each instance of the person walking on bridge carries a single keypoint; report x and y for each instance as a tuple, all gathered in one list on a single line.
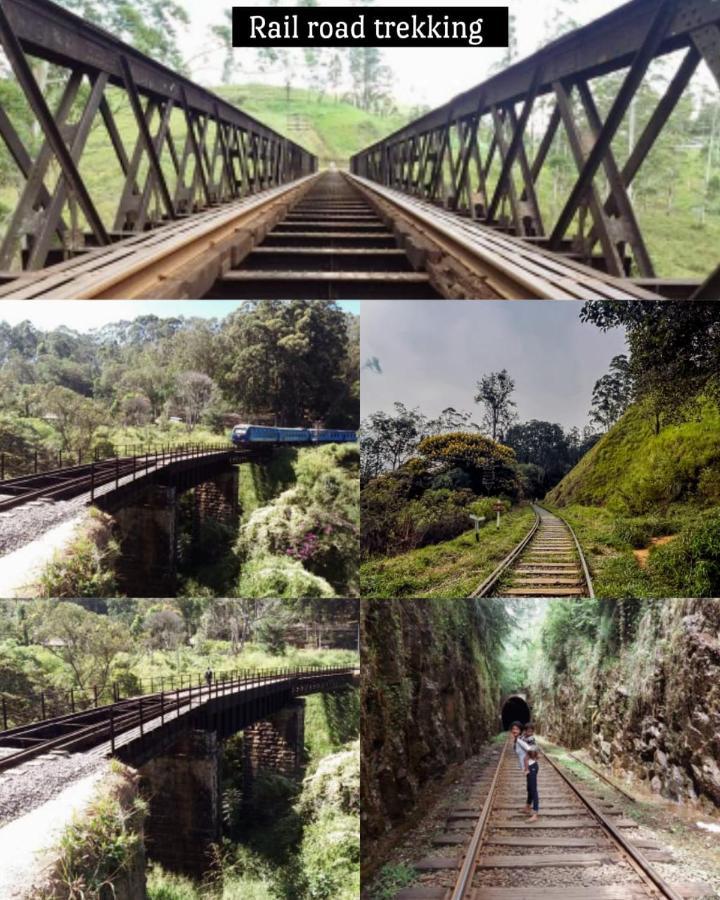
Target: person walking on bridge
[(208, 677)]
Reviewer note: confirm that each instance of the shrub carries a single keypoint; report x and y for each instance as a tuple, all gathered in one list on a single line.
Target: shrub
[(280, 577), (85, 568), (689, 565), (97, 849), (638, 533)]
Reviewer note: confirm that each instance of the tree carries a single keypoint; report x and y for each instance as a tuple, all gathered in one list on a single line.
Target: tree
[(149, 25), (223, 34), (612, 394), (194, 392), (335, 73), (136, 409), (491, 466), (75, 418), (164, 628), (371, 79), (387, 441), (86, 642), (674, 349), (543, 445), (288, 359), (494, 392)]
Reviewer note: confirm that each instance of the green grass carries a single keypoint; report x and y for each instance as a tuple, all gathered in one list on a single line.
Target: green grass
[(631, 470), (635, 488), (451, 569), (261, 483), (218, 656), (609, 542), (335, 129), (332, 129)]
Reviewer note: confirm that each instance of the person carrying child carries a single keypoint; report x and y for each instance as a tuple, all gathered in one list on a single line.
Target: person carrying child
[(531, 767)]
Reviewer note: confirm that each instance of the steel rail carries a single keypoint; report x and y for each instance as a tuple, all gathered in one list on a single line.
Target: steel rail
[(603, 777), (192, 149), (654, 882), (502, 567), (471, 155), (467, 870), (109, 471), (166, 262), (509, 265), (583, 561), (633, 856)]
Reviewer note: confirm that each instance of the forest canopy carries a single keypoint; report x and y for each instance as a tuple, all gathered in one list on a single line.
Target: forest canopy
[(286, 363)]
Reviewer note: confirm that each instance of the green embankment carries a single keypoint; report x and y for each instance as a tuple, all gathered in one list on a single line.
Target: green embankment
[(451, 569), (331, 129), (646, 506)]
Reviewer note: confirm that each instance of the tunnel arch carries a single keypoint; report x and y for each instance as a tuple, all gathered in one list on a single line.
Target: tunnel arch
[(514, 709)]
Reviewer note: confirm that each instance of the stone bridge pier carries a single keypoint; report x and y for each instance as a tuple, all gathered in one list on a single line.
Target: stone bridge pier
[(217, 499), (147, 529), (276, 744), (183, 789), (183, 785)]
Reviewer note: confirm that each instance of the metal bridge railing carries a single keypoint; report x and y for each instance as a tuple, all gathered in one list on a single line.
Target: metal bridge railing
[(39, 461), (473, 155), (171, 691), (193, 150)]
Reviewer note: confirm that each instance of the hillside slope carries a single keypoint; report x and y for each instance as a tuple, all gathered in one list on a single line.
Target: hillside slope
[(633, 471), (331, 129)]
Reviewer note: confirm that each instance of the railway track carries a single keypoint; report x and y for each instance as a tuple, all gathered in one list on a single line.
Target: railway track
[(548, 562), (581, 848), (103, 727), (326, 236), (332, 244)]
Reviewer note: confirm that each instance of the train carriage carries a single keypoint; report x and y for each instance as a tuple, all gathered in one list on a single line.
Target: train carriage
[(260, 434)]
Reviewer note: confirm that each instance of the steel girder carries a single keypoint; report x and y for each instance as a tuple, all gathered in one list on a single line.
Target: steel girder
[(471, 155), (176, 148)]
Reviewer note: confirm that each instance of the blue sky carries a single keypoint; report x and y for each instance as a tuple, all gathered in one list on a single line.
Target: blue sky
[(84, 315)]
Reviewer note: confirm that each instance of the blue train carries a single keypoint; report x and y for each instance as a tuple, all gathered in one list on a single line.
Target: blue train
[(260, 434)]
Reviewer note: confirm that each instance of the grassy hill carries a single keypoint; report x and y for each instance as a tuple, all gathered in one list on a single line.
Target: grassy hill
[(647, 507), (633, 470), (331, 129)]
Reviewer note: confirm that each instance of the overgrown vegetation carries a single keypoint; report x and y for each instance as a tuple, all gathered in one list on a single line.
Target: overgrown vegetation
[(97, 648), (84, 568), (67, 395), (451, 568), (299, 532), (98, 852)]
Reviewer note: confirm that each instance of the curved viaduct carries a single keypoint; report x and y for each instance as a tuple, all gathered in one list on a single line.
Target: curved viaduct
[(175, 741)]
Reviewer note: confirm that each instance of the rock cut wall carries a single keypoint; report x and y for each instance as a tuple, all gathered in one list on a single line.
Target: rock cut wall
[(429, 700), (654, 710)]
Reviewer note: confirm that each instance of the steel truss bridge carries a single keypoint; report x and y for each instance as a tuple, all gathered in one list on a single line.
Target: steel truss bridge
[(211, 203)]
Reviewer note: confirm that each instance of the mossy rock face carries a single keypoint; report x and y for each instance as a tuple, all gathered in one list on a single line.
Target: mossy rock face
[(638, 690), (430, 698)]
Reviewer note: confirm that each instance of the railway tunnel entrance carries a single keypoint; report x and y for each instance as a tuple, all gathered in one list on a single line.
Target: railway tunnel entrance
[(514, 709)]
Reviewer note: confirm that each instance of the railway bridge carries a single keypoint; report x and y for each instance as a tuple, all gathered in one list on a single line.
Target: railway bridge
[(202, 200), (174, 737), (142, 491)]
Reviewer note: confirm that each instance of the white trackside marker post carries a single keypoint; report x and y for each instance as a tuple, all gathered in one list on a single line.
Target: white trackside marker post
[(477, 520), (498, 507)]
